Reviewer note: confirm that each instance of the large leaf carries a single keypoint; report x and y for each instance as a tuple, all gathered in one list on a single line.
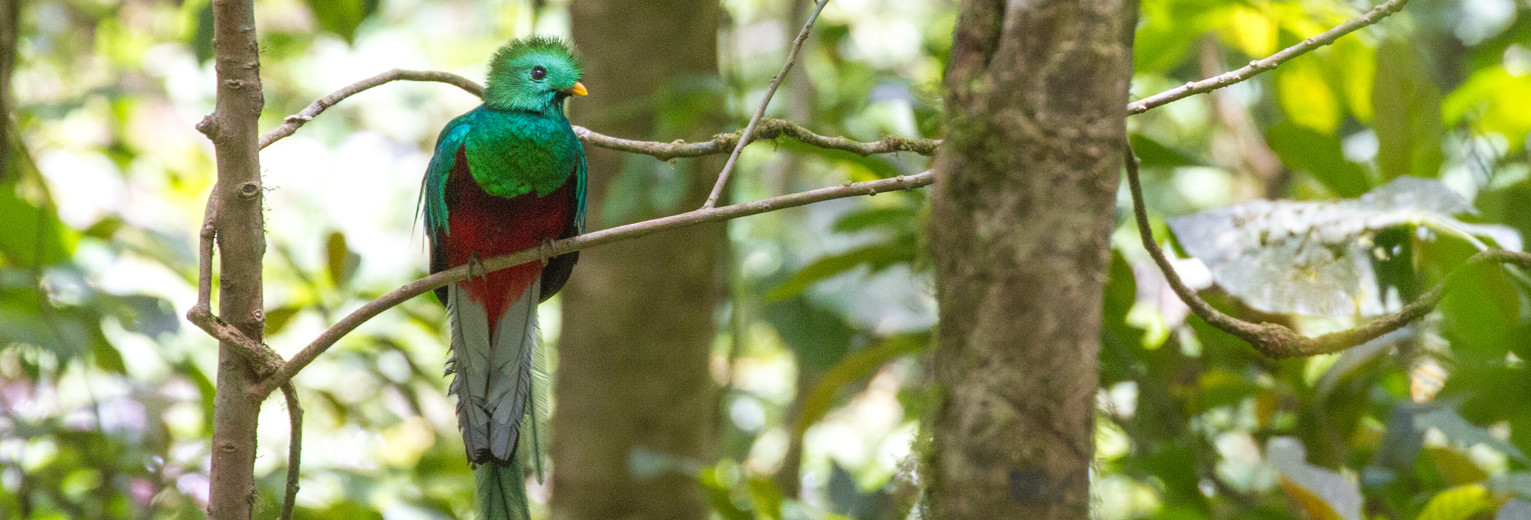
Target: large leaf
[(1316, 258), (1322, 493), (1407, 117)]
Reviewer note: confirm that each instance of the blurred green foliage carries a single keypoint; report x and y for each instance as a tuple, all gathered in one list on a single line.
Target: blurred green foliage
[(105, 397)]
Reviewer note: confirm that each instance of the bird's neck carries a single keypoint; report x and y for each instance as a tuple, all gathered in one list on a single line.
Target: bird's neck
[(543, 105)]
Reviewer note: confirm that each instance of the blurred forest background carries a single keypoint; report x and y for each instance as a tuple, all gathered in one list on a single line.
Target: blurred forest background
[(807, 326)]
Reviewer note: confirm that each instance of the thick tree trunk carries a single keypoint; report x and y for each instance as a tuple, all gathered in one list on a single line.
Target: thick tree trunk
[(241, 243), (639, 316), (1022, 210)]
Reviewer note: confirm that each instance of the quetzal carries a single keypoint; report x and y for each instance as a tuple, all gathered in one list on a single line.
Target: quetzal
[(506, 176)]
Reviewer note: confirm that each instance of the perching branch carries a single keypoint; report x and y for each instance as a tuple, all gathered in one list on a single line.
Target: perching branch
[(769, 129), (1278, 341), (1270, 62), (749, 129), (568, 245)]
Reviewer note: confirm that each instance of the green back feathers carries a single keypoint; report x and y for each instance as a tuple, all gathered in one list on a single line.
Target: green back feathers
[(532, 74)]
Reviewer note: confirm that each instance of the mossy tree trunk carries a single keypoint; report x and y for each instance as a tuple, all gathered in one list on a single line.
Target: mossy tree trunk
[(638, 323), (1022, 210)]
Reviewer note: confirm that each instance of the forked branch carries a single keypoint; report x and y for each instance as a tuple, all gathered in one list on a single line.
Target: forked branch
[(749, 129)]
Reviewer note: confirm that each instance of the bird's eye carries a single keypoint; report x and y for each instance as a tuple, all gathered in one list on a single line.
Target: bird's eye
[(538, 73)]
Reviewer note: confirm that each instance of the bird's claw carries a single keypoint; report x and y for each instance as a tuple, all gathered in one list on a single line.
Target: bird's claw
[(547, 251), (476, 268)]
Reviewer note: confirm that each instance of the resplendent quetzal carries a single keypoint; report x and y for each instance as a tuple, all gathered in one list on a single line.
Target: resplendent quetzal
[(507, 176)]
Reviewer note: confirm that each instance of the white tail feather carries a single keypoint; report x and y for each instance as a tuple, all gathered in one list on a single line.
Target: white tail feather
[(493, 375)]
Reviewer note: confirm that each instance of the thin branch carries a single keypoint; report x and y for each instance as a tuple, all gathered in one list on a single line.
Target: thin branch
[(295, 121), (605, 236), (1278, 341), (1270, 62), (749, 129), (768, 129), (294, 448)]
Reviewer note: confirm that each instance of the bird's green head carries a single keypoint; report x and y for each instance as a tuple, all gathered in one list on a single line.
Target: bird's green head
[(533, 74)]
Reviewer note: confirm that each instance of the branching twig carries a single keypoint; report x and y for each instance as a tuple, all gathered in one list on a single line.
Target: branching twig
[(768, 128), (1270, 62), (749, 129), (264, 360), (1278, 341), (605, 236), (294, 448)]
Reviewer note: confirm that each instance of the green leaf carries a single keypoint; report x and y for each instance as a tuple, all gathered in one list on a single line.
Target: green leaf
[(1306, 98), (202, 36), (341, 261), (278, 318), (899, 218), (1494, 100), (876, 256), (1305, 150), (1407, 119), (33, 235), (819, 336), (855, 367), (342, 17), (1156, 154), (766, 497), (1458, 503)]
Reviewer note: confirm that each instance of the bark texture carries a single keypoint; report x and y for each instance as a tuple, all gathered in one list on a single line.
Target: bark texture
[(638, 323), (10, 32), (241, 244), (1023, 205)]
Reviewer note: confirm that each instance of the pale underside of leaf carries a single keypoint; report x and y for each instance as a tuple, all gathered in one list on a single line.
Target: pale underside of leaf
[(1316, 258)]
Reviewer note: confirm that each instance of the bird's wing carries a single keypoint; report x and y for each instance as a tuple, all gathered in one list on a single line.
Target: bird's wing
[(433, 197)]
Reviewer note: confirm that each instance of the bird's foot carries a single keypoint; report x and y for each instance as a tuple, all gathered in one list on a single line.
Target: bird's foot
[(476, 268), (547, 251)]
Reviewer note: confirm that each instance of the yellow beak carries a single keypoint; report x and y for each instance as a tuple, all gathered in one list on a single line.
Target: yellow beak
[(577, 90)]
